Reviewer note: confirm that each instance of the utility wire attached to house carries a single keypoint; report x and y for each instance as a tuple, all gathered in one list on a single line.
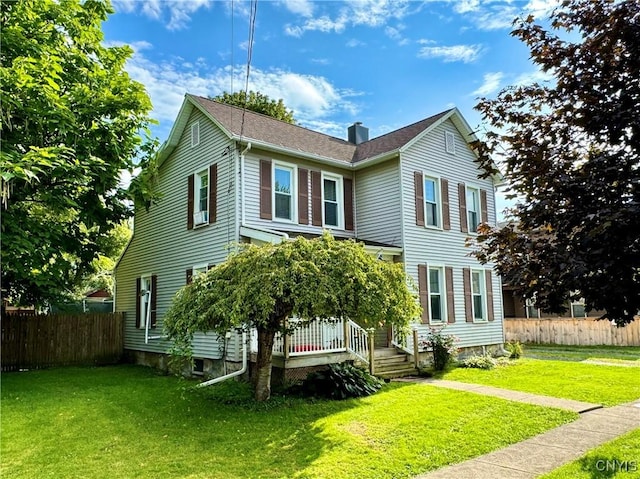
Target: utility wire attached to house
[(252, 27)]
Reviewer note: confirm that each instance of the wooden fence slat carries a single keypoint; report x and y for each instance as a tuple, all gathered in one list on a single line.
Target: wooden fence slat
[(579, 332), (41, 341)]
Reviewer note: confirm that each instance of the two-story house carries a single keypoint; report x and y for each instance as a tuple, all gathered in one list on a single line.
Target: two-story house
[(227, 175)]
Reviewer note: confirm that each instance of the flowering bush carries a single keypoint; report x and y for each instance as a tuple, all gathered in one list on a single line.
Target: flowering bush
[(443, 347)]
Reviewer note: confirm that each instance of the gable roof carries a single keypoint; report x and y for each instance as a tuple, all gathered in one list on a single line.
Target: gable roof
[(266, 132)]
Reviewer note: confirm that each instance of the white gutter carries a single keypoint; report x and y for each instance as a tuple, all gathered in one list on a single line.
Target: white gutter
[(235, 373)]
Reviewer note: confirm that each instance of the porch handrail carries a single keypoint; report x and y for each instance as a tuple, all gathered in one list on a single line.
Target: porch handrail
[(358, 341), (403, 342)]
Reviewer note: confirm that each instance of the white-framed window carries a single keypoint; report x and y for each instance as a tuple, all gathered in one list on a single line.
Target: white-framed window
[(284, 192), (473, 208), (145, 300), (432, 202), (437, 294), (578, 309), (531, 310), (195, 134), (201, 198), (449, 142), (478, 295), (332, 199), (199, 269)]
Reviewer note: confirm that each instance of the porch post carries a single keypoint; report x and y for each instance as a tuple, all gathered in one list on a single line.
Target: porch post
[(372, 340), (415, 347), (347, 339), (286, 340)]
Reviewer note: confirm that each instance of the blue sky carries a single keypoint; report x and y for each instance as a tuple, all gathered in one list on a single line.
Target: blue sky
[(384, 63)]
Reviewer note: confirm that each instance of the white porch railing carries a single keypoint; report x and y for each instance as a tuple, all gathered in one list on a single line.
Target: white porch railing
[(320, 337), (358, 341)]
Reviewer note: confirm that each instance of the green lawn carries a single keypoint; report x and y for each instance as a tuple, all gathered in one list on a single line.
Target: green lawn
[(582, 353), (127, 421), (606, 385), (619, 459)]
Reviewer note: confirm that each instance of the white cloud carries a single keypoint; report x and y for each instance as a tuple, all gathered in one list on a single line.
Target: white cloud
[(536, 76), (299, 7), (176, 14), (313, 98), (490, 84), (371, 13), (464, 6), (453, 53), (354, 42)]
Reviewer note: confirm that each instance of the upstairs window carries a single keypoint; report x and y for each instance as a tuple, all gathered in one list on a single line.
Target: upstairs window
[(432, 201), (332, 200), (578, 309), (473, 208), (201, 213), (531, 309), (283, 191)]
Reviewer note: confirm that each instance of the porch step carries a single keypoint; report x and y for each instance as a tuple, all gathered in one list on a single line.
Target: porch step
[(390, 363)]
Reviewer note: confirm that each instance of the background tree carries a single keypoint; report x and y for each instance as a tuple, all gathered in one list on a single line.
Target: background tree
[(258, 102), (264, 286), (71, 118), (571, 151)]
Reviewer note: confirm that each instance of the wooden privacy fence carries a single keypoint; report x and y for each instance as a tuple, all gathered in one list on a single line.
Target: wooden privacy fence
[(41, 341), (581, 332)]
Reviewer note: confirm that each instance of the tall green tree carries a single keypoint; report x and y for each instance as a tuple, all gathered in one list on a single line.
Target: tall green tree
[(571, 149), (71, 121), (264, 286), (258, 102)]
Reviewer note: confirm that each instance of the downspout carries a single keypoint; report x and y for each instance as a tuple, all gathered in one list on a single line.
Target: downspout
[(235, 373), (242, 206)]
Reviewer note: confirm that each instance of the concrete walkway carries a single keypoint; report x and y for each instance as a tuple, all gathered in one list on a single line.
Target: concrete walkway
[(543, 453)]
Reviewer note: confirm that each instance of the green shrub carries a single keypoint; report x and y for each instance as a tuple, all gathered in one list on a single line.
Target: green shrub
[(340, 381), (515, 348), (480, 362), (443, 347)]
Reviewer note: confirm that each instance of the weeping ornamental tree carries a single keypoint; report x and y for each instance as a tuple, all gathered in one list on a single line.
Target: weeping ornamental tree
[(261, 287), (571, 151)]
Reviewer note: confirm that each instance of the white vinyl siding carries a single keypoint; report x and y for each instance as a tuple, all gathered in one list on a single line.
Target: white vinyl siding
[(252, 193), (446, 247), (378, 203), (160, 248)]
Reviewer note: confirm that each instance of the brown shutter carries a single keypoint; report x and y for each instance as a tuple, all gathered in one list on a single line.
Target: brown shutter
[(137, 302), (348, 204), (489, 287), (154, 297), (451, 310), (265, 189), (484, 214), (303, 196), (468, 307), (190, 202), (446, 215), (213, 193), (316, 198), (189, 275), (419, 197), (462, 197), (423, 292)]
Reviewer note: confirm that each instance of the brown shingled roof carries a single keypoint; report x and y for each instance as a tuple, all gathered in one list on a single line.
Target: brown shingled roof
[(262, 128), (269, 130)]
